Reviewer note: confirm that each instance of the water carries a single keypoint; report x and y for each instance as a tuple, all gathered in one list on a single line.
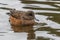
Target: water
[(47, 12)]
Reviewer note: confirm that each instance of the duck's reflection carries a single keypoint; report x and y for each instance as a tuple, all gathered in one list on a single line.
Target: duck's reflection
[(28, 29)]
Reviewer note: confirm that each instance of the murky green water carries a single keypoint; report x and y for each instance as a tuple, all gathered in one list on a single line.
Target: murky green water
[(48, 13)]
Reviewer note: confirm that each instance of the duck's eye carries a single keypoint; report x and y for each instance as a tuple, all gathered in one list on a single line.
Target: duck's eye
[(30, 14)]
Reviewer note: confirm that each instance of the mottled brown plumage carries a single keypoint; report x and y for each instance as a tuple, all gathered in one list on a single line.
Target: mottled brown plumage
[(19, 18)]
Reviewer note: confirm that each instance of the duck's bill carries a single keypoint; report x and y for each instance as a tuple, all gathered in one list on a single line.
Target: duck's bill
[(36, 19)]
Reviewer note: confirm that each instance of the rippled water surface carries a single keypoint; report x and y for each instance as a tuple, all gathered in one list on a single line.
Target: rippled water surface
[(48, 13)]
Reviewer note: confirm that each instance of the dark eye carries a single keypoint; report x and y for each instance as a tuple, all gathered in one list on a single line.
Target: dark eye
[(30, 14)]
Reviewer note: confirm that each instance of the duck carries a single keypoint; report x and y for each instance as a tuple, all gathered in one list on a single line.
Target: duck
[(21, 18), (22, 21)]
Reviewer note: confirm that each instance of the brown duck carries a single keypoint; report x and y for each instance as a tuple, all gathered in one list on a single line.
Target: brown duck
[(21, 18)]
